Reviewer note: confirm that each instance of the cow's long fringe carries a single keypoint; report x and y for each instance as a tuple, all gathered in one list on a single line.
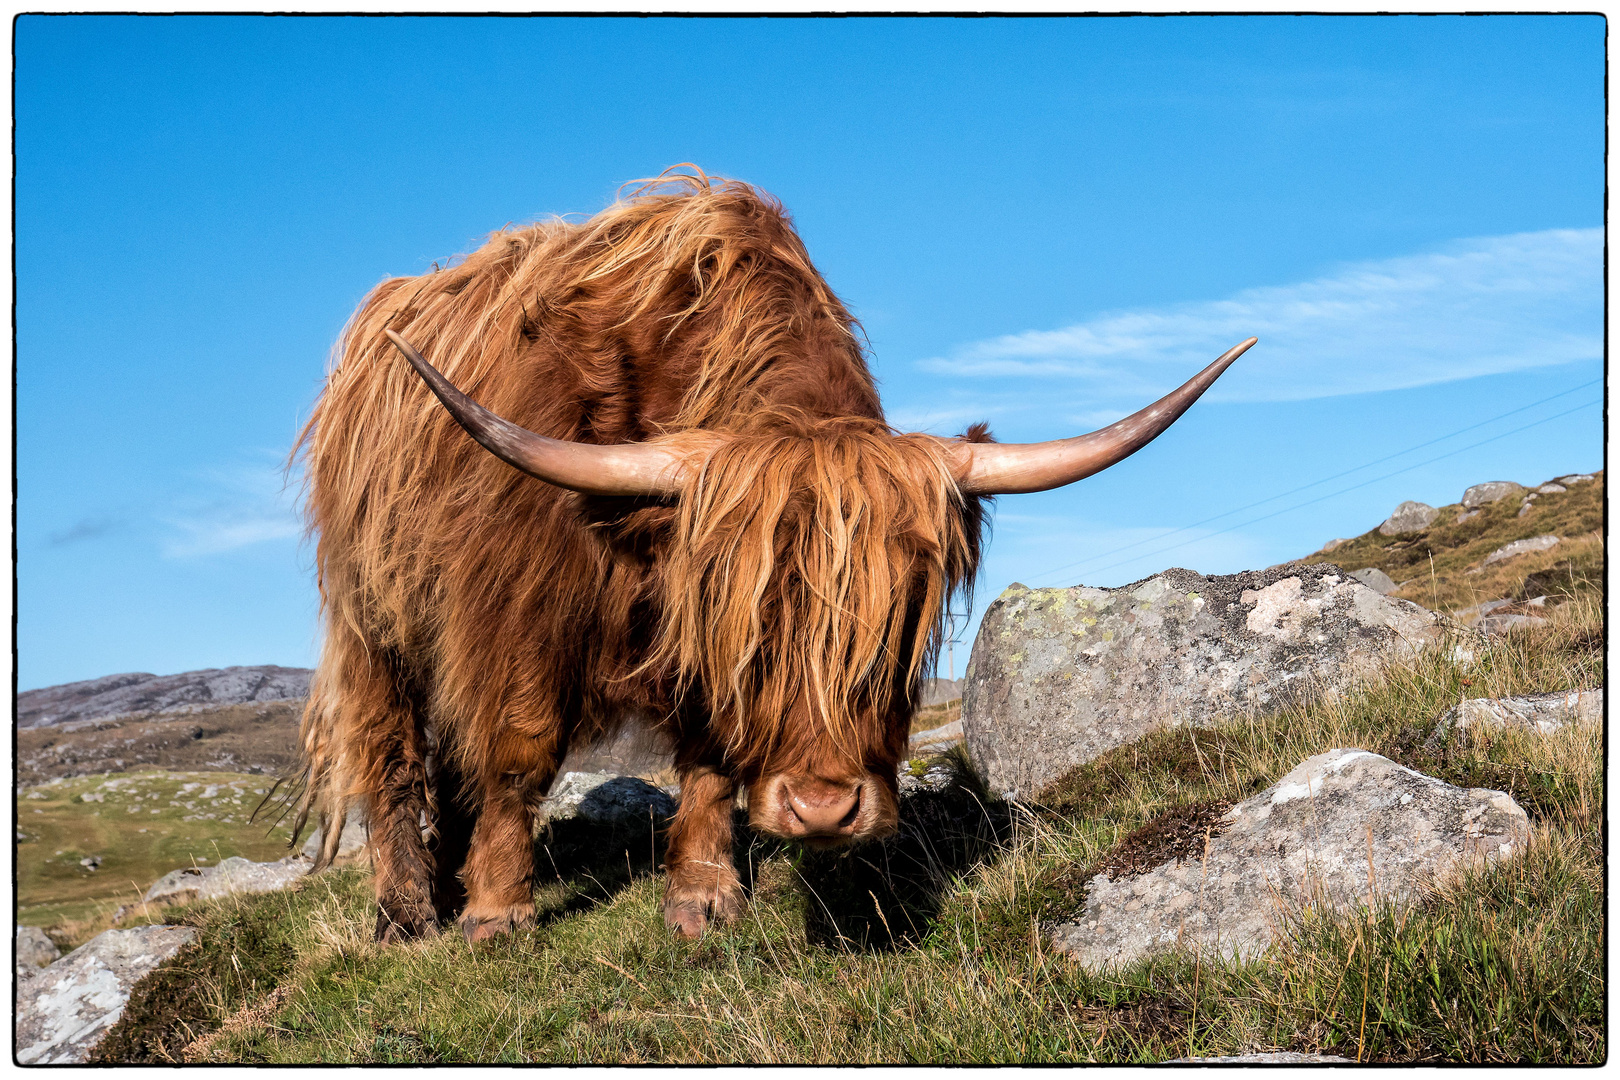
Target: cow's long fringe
[(464, 598), (834, 535)]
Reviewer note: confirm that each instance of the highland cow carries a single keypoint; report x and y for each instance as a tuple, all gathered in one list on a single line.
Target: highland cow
[(679, 501)]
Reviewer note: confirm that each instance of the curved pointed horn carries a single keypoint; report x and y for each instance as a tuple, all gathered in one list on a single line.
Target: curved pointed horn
[(621, 469), (1017, 468)]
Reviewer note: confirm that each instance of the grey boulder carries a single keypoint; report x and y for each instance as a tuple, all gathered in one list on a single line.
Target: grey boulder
[(64, 1010), (233, 876), (1376, 580), (34, 948), (1342, 828), (1409, 517), (1059, 676), (1520, 547), (1489, 492), (605, 799), (1541, 713)]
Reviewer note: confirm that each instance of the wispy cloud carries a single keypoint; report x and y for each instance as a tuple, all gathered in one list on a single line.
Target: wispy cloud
[(237, 507), (89, 528), (1469, 308)]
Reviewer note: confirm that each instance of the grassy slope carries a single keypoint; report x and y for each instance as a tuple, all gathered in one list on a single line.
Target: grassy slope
[(1458, 549), (1503, 965), (142, 825)]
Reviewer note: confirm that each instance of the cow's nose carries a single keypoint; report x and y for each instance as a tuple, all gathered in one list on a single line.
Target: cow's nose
[(824, 809)]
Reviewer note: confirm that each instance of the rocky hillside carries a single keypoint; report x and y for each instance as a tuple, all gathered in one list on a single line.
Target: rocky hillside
[(1501, 541), (136, 693)]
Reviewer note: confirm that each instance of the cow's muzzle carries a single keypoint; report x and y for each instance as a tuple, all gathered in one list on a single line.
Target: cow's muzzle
[(822, 813)]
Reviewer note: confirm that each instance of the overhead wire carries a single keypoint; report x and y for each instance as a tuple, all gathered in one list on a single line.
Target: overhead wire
[(1330, 495), (1327, 479)]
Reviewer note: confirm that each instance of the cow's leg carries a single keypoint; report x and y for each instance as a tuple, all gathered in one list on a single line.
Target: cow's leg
[(379, 726), (701, 881), (515, 775)]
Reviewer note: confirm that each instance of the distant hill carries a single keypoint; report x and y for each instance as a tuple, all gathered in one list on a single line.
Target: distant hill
[(1442, 565), (137, 693)]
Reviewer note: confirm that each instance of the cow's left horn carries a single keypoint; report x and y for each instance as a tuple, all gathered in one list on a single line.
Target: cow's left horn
[(620, 469), (1017, 468)]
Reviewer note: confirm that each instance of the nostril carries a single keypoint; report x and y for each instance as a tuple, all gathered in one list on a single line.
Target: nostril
[(848, 820), (821, 810)]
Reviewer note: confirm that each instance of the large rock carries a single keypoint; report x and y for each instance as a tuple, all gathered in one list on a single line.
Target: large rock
[(1409, 517), (604, 799), (1520, 547), (64, 1010), (139, 692), (1059, 676), (35, 949), (1489, 492), (232, 876), (1541, 713), (636, 749), (1342, 828)]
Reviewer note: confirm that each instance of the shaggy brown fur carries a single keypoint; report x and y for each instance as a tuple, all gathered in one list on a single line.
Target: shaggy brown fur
[(774, 618)]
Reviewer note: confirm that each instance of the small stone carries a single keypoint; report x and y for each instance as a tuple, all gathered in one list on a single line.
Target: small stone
[(1333, 545), (1409, 517), (1541, 713), (1574, 478), (1490, 492), (1376, 580), (1468, 515), (1520, 547), (1502, 622), (1551, 489), (93, 862)]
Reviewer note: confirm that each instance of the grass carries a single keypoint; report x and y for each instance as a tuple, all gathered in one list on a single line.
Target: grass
[(1441, 569), (140, 825), (931, 949)]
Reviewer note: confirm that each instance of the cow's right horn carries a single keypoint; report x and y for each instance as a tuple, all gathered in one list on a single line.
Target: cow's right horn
[(620, 469), (1017, 468)]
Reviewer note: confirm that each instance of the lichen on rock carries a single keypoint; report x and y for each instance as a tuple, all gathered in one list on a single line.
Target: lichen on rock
[(1059, 676)]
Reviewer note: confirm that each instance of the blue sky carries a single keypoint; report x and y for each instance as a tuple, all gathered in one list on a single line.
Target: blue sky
[(1042, 223)]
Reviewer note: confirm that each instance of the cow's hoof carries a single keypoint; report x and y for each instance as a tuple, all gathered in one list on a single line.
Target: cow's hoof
[(475, 928), (396, 928), (688, 911)]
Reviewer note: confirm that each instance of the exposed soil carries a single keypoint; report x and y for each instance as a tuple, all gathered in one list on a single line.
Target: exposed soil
[(1177, 834)]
